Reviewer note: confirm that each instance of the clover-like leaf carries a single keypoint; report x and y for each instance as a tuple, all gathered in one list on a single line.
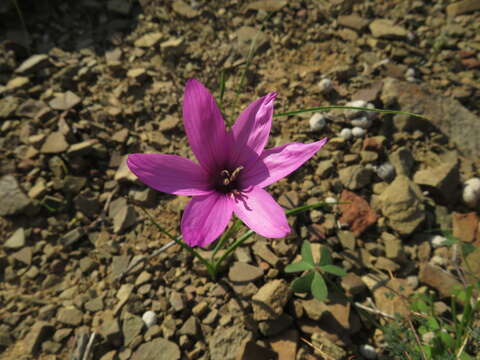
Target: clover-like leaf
[(333, 269), (307, 252), (298, 267), (318, 287), (303, 284), (325, 257)]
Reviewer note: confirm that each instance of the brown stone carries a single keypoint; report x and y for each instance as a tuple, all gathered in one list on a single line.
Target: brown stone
[(465, 226), (356, 212), (439, 279)]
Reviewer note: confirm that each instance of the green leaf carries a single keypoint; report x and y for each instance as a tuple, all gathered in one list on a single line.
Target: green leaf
[(307, 252), (325, 258), (333, 269), (446, 339), (303, 284), (298, 267), (433, 323), (467, 249), (319, 288)]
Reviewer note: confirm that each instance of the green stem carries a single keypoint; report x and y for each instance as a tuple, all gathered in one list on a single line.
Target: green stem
[(226, 235), (182, 244), (325, 108)]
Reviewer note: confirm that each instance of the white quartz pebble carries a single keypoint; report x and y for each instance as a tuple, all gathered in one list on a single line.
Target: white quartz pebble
[(330, 200), (386, 171), (317, 122), (368, 352), (325, 85), (471, 192), (364, 122), (346, 133), (358, 131), (149, 318), (437, 241)]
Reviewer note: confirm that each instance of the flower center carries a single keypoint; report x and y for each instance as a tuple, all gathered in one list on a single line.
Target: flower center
[(227, 182)]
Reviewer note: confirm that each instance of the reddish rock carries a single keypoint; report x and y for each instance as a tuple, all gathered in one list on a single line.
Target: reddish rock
[(356, 212), (471, 63), (465, 226)]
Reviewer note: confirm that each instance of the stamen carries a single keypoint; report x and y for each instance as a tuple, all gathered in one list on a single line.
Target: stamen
[(226, 181), (225, 173), (236, 172)]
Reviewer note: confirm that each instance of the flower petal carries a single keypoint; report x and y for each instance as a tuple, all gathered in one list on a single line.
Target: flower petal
[(278, 162), (204, 126), (261, 213), (205, 218), (249, 134), (171, 174)]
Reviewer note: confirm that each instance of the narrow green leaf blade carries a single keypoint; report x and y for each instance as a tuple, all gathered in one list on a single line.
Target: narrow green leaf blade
[(298, 267), (303, 284), (334, 270), (319, 288), (307, 252), (325, 257)]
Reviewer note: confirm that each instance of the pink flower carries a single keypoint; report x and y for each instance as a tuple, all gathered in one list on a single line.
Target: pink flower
[(233, 170)]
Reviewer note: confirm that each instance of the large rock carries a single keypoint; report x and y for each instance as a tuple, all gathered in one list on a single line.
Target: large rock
[(226, 343), (12, 199), (270, 299), (447, 114), (401, 204), (444, 178)]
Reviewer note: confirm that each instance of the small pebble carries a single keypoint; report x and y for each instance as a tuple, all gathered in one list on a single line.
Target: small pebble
[(330, 200), (471, 192), (368, 351), (410, 73), (358, 131), (149, 318), (346, 133), (386, 172), (325, 85), (364, 122), (317, 122), (437, 241)]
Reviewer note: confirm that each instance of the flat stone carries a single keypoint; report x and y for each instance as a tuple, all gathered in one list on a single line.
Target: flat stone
[(16, 240), (157, 348), (226, 342), (388, 301), (64, 101), (30, 108), (24, 255), (274, 327), (285, 344), (444, 178), (82, 148), (8, 106), (439, 279), (261, 250), (70, 316), (251, 350), (54, 144), (462, 7), (385, 28), (37, 334), (241, 272), (12, 199), (123, 172), (266, 5), (269, 301), (94, 305), (182, 8), (33, 63), (465, 227), (17, 82), (131, 328), (176, 301), (353, 284), (355, 177), (327, 346), (402, 160), (356, 212), (110, 329), (401, 204), (73, 236), (354, 22), (148, 40), (190, 327), (245, 35)]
